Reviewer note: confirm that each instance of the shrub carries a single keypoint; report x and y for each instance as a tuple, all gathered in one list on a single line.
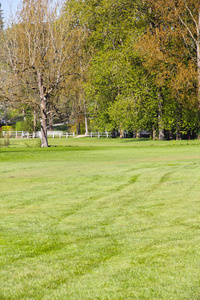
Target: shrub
[(7, 128), (25, 125)]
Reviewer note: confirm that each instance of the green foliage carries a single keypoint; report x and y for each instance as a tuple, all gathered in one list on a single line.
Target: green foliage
[(134, 58), (27, 124), (123, 114), (19, 126), (114, 27), (134, 67), (7, 128)]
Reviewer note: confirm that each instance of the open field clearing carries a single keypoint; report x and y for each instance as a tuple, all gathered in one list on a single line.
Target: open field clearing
[(100, 219)]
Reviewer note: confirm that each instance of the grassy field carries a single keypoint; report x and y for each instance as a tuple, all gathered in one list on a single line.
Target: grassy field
[(100, 219)]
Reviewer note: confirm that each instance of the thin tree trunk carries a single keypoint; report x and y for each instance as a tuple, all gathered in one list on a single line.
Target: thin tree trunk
[(113, 133), (170, 135), (178, 134), (154, 134), (198, 55), (5, 116), (78, 128), (86, 120), (24, 115), (43, 106), (34, 121), (51, 121), (178, 122), (160, 121), (198, 61), (44, 139), (121, 133)]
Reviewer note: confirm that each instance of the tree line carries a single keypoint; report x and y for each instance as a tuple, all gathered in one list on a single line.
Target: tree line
[(105, 65)]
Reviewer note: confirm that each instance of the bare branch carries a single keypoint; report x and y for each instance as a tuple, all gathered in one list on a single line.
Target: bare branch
[(191, 15), (186, 26)]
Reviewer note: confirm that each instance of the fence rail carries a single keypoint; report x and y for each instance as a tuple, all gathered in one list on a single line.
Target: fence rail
[(100, 134), (20, 134), (53, 134)]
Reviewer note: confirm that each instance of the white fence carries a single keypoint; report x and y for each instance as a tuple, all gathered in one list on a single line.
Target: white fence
[(53, 134), (20, 134), (59, 134), (100, 134)]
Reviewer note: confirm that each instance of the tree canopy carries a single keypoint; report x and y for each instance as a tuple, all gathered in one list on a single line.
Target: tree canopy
[(110, 65)]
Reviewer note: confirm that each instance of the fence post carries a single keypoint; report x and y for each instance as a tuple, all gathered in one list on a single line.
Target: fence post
[(91, 134), (107, 134), (98, 135), (66, 135), (73, 134)]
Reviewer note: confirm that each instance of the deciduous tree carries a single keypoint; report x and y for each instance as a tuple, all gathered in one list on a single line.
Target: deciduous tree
[(40, 47)]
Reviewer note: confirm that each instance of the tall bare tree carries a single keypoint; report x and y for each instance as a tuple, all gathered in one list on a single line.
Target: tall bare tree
[(40, 48)]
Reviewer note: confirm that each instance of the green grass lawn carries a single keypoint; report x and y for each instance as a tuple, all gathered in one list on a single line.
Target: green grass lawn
[(100, 219)]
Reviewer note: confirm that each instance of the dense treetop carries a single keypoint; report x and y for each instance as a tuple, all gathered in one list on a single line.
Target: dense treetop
[(110, 65)]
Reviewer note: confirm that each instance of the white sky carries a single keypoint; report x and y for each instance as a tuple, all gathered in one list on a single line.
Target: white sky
[(9, 6), (6, 5)]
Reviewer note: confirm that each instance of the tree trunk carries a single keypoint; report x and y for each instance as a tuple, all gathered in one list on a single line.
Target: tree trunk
[(121, 132), (160, 121), (86, 120), (198, 60), (170, 135), (34, 121), (51, 121), (178, 134), (78, 128), (198, 56), (154, 134), (24, 115), (113, 133), (5, 116), (43, 106), (178, 122), (44, 139)]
